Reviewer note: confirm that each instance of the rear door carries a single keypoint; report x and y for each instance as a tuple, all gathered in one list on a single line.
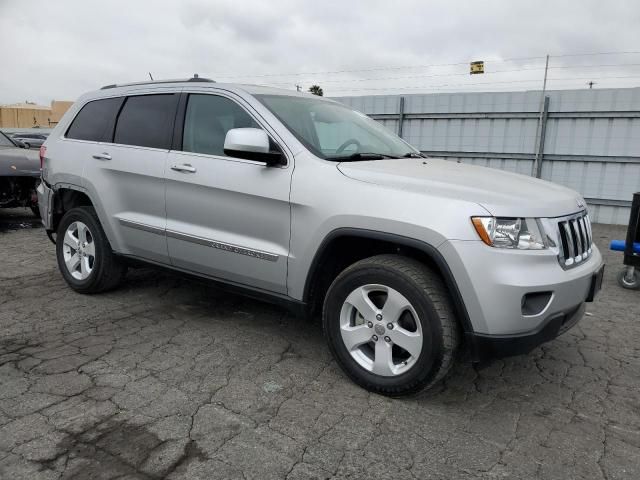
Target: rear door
[(227, 218), (127, 174)]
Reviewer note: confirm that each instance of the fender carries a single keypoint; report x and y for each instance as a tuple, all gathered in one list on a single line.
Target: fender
[(70, 186), (428, 249)]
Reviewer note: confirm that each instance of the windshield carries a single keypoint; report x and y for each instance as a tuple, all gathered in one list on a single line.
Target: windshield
[(333, 131)]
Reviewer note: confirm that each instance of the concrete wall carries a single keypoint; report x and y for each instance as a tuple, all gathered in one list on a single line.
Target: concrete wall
[(30, 116), (58, 109)]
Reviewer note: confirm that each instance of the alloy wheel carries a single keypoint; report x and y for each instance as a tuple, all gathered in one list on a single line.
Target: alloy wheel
[(381, 330), (78, 250)]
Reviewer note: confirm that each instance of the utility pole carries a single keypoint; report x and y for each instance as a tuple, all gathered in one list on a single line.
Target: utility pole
[(539, 147), (150, 76), (591, 84), (298, 88)]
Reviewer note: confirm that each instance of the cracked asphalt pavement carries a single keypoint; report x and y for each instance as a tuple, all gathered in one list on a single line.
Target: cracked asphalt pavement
[(170, 378)]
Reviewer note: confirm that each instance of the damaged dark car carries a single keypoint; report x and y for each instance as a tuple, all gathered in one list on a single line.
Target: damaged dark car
[(19, 175)]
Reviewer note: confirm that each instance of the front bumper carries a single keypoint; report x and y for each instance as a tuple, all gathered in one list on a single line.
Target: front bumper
[(486, 347), (45, 204), (494, 284)]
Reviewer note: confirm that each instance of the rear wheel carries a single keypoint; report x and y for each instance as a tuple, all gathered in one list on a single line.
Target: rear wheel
[(390, 325), (84, 254)]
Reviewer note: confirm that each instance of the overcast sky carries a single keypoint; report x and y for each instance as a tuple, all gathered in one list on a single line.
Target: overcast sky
[(61, 49)]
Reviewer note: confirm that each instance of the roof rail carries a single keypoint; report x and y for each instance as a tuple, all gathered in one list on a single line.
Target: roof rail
[(195, 78)]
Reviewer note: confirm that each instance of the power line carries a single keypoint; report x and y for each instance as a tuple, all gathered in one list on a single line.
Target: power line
[(598, 65), (488, 84), (405, 77), (451, 85), (434, 65), (594, 54)]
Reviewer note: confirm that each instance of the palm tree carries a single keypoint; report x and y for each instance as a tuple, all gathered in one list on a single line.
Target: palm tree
[(316, 90)]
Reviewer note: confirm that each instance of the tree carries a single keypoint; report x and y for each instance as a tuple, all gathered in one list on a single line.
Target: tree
[(316, 90)]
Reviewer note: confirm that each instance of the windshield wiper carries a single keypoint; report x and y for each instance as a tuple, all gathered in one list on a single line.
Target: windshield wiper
[(355, 157), (414, 155)]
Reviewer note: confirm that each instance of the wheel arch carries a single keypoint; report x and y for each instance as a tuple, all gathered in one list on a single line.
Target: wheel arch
[(375, 242), (65, 198)]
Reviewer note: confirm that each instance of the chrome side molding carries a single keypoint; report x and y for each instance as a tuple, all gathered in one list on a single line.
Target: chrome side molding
[(227, 247)]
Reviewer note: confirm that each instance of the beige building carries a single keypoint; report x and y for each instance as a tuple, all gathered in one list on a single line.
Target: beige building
[(30, 115)]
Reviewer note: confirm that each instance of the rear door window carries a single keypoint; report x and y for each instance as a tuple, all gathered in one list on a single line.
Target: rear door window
[(146, 121), (95, 120)]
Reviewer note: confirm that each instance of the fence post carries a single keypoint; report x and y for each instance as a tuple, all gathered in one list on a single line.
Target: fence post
[(537, 164), (400, 116)]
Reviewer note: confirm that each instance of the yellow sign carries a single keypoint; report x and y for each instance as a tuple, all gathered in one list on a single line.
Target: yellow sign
[(476, 67)]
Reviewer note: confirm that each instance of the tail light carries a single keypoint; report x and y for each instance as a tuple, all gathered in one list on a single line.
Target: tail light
[(43, 151)]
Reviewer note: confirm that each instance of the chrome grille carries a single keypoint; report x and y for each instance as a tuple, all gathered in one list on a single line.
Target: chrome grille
[(574, 233)]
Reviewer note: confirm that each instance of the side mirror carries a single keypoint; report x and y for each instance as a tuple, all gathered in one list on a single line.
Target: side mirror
[(251, 144), (19, 143)]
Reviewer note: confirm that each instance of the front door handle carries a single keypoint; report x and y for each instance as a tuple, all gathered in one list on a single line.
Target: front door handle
[(185, 167), (102, 156)]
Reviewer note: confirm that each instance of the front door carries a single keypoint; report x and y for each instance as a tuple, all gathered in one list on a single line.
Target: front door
[(227, 218)]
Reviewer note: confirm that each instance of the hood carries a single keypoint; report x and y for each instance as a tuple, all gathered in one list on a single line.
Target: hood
[(501, 193), (19, 162)]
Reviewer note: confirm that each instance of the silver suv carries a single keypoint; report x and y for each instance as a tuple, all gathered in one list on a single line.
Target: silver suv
[(303, 201)]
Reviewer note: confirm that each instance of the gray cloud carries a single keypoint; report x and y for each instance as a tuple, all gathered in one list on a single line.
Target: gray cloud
[(62, 49)]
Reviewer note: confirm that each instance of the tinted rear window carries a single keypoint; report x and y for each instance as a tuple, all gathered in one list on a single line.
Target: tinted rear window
[(95, 120), (146, 121)]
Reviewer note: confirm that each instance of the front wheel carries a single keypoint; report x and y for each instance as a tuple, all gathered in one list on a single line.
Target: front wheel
[(84, 254), (390, 325)]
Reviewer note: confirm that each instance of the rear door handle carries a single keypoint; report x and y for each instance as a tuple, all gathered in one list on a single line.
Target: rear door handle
[(102, 156), (185, 167)]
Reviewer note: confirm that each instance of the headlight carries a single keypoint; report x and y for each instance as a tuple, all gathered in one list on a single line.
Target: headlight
[(517, 233)]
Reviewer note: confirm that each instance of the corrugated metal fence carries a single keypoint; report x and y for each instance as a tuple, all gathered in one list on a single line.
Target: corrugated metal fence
[(589, 140)]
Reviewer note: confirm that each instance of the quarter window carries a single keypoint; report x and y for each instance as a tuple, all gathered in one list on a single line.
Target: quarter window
[(208, 119), (95, 120), (146, 121)]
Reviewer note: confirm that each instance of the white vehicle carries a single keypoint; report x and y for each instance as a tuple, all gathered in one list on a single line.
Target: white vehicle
[(304, 201)]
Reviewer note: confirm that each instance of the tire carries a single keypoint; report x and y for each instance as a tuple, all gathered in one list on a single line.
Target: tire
[(27, 145), (103, 270), (631, 285), (429, 314)]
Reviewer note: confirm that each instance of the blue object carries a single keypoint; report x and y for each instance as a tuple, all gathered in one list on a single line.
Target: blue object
[(618, 246)]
